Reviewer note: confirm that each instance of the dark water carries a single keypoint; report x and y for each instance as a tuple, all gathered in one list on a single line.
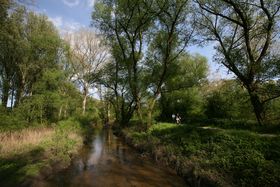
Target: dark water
[(107, 161)]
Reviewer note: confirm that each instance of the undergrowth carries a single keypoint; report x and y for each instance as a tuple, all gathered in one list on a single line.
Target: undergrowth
[(38, 153), (225, 157)]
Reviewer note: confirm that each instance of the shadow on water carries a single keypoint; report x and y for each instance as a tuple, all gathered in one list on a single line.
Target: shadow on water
[(107, 161)]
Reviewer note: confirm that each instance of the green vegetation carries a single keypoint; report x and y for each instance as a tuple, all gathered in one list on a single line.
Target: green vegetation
[(137, 59), (44, 117), (39, 151), (140, 84), (214, 156)]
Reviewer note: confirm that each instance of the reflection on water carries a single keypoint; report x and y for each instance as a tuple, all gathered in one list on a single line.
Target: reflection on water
[(107, 161)]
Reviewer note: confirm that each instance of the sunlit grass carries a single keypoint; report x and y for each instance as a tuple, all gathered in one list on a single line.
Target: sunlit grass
[(19, 141), (24, 153)]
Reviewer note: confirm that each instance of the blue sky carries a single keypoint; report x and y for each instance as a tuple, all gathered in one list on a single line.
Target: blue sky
[(70, 15), (66, 15)]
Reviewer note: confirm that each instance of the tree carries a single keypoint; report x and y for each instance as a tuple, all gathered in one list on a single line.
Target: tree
[(40, 44), (30, 43), (144, 35), (245, 32), (88, 54), (181, 92), (172, 33), (9, 33), (125, 24), (227, 99), (36, 69), (31, 47), (116, 90)]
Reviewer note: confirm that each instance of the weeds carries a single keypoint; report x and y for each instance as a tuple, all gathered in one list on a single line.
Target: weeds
[(225, 157)]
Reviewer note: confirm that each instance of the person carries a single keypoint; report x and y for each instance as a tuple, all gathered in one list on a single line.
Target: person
[(178, 119), (173, 117)]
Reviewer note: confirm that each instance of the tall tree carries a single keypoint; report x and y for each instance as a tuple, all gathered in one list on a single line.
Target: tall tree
[(114, 79), (181, 91), (6, 43), (125, 24), (245, 32), (145, 35), (88, 54), (172, 33), (41, 51), (30, 43)]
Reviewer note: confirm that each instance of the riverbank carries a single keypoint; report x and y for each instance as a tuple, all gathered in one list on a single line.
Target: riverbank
[(39, 151), (211, 157)]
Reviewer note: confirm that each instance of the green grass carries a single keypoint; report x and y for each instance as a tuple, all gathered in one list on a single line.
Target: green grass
[(241, 124), (15, 170), (226, 157)]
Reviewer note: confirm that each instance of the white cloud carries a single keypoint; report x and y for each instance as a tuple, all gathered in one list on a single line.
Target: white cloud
[(65, 26), (72, 26), (57, 21), (91, 3), (71, 3)]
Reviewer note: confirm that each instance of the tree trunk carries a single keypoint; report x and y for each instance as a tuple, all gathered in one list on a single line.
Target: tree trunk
[(125, 114), (150, 113), (19, 92), (60, 112), (258, 107), (5, 93), (106, 112), (138, 110), (65, 111), (85, 100), (125, 118), (12, 98), (41, 115), (84, 104)]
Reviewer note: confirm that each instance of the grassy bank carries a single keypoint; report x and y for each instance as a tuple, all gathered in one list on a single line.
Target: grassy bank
[(212, 157), (36, 151)]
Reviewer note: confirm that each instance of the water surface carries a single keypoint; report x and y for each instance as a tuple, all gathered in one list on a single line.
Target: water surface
[(108, 161)]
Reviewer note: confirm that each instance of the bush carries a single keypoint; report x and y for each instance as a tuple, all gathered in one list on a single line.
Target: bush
[(11, 122), (228, 100)]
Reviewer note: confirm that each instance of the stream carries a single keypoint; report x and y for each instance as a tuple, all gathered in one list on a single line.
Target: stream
[(107, 161)]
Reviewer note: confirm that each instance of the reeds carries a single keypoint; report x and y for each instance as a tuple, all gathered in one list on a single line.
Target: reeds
[(17, 142)]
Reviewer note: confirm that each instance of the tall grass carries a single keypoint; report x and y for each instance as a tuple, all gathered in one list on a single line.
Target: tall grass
[(19, 141), (26, 153)]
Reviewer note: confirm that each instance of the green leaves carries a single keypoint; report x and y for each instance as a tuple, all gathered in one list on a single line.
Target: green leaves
[(244, 33), (35, 68)]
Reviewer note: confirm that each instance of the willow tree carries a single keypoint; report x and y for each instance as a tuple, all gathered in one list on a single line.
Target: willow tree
[(144, 35), (244, 33), (171, 34), (125, 24)]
